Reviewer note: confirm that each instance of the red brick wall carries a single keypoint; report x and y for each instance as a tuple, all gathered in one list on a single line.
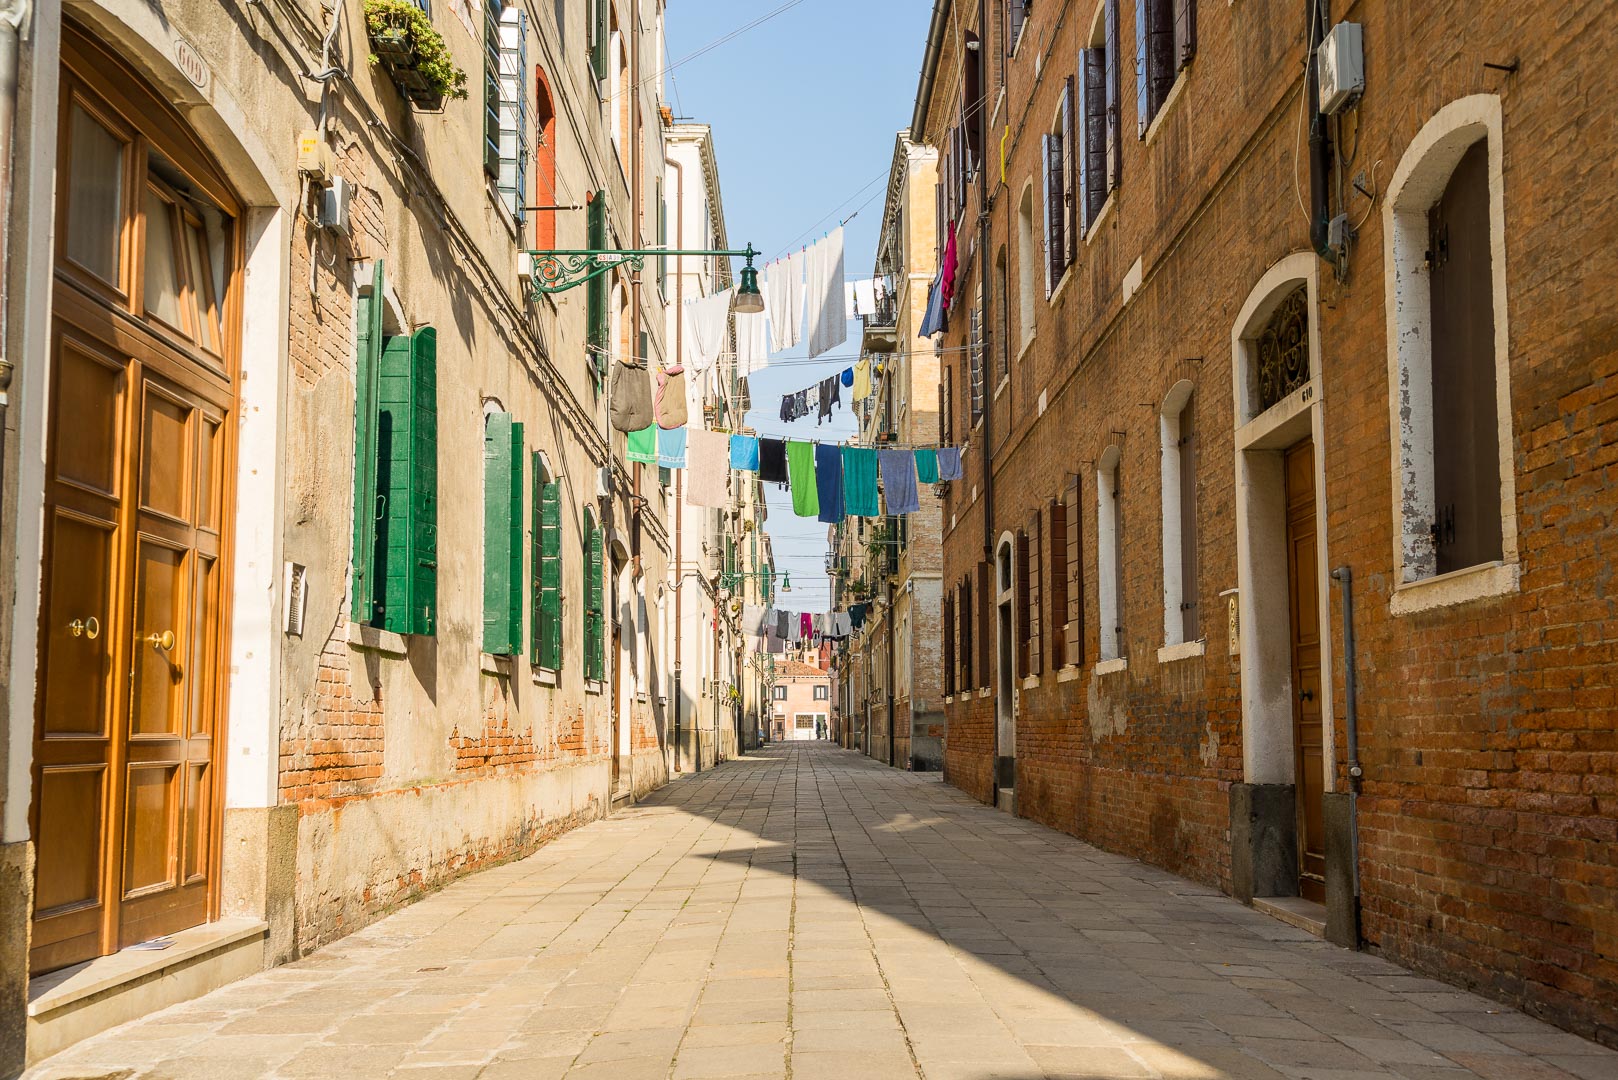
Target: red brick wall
[(1489, 818)]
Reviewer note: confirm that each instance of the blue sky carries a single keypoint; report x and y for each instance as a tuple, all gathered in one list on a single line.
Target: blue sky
[(804, 109)]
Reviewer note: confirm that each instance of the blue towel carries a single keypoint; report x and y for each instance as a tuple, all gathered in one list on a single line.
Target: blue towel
[(744, 453), (859, 482), (949, 463), (927, 466), (899, 480), (671, 447), (933, 320), (829, 483)]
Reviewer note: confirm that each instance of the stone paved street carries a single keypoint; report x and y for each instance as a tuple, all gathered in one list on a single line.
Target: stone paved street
[(808, 913)]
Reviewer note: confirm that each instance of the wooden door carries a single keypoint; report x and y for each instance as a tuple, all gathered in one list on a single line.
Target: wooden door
[(1304, 593), (617, 689)]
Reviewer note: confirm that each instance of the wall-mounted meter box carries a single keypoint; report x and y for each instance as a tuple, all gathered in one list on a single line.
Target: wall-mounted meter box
[(334, 200), (314, 156), (1340, 67)]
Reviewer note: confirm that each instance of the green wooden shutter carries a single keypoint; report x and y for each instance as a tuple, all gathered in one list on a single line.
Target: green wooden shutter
[(598, 40), (546, 574), (367, 366), (394, 551), (594, 621), (422, 598), (514, 586), (497, 533), (536, 562), (595, 306)]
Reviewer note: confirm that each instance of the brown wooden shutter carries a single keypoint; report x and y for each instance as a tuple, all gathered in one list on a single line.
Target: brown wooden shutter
[(972, 106), (985, 623), (1113, 98), (949, 645), (1036, 620), (1023, 614), (1056, 603), (1160, 61), (1055, 245), (1073, 628), (1093, 147), (1185, 32), (1070, 172)]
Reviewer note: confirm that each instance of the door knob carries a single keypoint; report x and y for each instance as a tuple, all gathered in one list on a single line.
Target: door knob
[(85, 628), (1307, 695), (164, 641)]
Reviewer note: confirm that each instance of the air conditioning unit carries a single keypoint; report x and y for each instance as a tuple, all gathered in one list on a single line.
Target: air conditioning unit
[(604, 482), (1340, 67)]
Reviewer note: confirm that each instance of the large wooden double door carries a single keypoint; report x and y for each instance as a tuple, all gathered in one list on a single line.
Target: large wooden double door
[(132, 642), (1308, 745)]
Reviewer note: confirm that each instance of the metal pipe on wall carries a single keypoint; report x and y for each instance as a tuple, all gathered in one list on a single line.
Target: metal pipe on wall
[(1351, 729)]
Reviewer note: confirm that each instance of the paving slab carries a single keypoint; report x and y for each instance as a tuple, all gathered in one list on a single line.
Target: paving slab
[(807, 909)]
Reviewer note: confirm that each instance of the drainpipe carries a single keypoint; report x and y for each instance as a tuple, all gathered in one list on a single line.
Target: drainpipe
[(13, 15), (1351, 722), (679, 474), (893, 667), (986, 257), (1320, 150)]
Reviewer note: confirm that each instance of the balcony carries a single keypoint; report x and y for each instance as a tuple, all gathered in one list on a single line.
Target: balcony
[(882, 326)]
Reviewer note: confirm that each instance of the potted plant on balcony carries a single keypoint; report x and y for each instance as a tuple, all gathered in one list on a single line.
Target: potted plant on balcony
[(403, 41)]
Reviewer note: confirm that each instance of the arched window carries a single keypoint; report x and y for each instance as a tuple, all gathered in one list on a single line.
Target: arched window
[(1025, 269), (1179, 467), (545, 193)]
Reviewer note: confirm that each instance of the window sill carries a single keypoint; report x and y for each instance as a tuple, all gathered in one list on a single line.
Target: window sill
[(1030, 682), (594, 686), (985, 692), (1069, 673), (1022, 352), (1113, 666), (1185, 650), (1101, 218), (495, 664), (547, 677), (1167, 106), (372, 639), (1069, 272), (1455, 587)]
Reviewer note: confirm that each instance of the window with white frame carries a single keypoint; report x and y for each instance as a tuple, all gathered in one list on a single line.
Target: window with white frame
[(1444, 220), (1109, 554), (506, 88), (1179, 466), (1025, 269), (1165, 42), (1056, 153)]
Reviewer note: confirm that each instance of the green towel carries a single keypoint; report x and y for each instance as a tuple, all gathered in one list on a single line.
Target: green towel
[(801, 478), (859, 482), (643, 445), (927, 466)]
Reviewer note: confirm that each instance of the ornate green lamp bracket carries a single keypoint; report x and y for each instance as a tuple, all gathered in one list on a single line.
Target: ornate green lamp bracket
[(553, 272)]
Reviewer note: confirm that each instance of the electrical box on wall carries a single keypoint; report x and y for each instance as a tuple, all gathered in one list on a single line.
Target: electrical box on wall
[(334, 200), (314, 156), (1340, 67)]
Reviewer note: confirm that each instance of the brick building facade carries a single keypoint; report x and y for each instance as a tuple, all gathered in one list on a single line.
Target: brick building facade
[(1279, 560)]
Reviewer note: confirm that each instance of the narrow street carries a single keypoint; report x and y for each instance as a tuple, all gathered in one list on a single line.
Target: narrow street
[(806, 912)]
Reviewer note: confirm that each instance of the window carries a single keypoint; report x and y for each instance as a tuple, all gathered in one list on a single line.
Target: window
[(1017, 12), (1028, 599), (595, 608), (820, 693), (1096, 147), (972, 104), (597, 328), (505, 150), (1178, 432), (974, 354), (1058, 192), (600, 14), (1025, 270), (963, 679), (949, 643), (780, 693), (545, 193), (985, 634), (395, 584), (1066, 603), (1002, 321), (545, 569), (946, 405), (1165, 42), (1448, 350), (502, 535), (1109, 554), (618, 100)]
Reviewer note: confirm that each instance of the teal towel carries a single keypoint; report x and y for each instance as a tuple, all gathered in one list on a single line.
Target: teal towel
[(801, 478), (927, 466), (859, 482)]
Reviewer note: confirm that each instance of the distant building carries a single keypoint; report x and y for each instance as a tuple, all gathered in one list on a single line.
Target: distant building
[(800, 702)]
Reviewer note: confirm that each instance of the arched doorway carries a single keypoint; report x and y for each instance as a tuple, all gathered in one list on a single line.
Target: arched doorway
[(138, 507)]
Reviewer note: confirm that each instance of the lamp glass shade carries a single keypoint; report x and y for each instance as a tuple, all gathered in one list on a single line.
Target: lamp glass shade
[(749, 301)]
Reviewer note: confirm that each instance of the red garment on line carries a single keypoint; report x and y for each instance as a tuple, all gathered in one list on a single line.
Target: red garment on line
[(951, 265)]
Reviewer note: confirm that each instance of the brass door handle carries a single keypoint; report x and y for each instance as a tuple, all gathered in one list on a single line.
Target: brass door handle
[(85, 628), (164, 641)]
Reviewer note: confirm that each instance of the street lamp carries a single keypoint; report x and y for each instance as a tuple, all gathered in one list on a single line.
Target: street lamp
[(558, 271), (749, 301)]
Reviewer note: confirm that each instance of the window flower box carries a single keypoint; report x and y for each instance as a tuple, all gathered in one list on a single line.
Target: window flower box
[(415, 55)]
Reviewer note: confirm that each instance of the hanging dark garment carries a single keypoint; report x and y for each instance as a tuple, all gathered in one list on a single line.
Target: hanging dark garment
[(772, 461), (856, 615), (826, 397)]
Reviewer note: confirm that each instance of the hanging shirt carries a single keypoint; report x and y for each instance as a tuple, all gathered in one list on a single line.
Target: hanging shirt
[(859, 482), (856, 616), (708, 472), (806, 624), (772, 461), (947, 270), (829, 483), (706, 322), (899, 480), (828, 394), (848, 376), (671, 447), (927, 465), (643, 445), (862, 379), (932, 321), (949, 463), (801, 470), (744, 453), (823, 295), (752, 345), (781, 282)]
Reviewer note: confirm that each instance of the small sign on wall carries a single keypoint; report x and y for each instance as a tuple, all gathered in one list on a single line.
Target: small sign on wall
[(1233, 620)]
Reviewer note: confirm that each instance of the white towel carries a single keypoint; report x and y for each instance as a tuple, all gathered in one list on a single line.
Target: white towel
[(850, 300), (865, 296), (823, 295), (707, 470), (753, 619), (782, 286), (706, 330), (752, 346)]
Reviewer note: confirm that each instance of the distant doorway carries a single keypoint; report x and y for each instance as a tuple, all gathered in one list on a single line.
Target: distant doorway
[(1304, 612)]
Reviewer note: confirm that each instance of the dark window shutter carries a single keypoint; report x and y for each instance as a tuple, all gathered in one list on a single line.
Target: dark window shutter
[(1143, 78), (1016, 13), (1185, 32), (1093, 139), (1056, 603), (1161, 51), (423, 499), (985, 623), (949, 645), (367, 371), (1189, 623), (1114, 98), (1073, 628), (1024, 613), (972, 105), (595, 294), (497, 534), (966, 681), (1036, 619), (1055, 213), (1071, 152)]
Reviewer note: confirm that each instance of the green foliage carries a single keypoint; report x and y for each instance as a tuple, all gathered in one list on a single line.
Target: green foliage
[(406, 41)]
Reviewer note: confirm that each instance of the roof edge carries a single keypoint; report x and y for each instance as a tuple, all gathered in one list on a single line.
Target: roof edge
[(929, 69)]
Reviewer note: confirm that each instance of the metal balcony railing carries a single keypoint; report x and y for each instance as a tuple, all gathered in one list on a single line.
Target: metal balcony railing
[(885, 317)]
